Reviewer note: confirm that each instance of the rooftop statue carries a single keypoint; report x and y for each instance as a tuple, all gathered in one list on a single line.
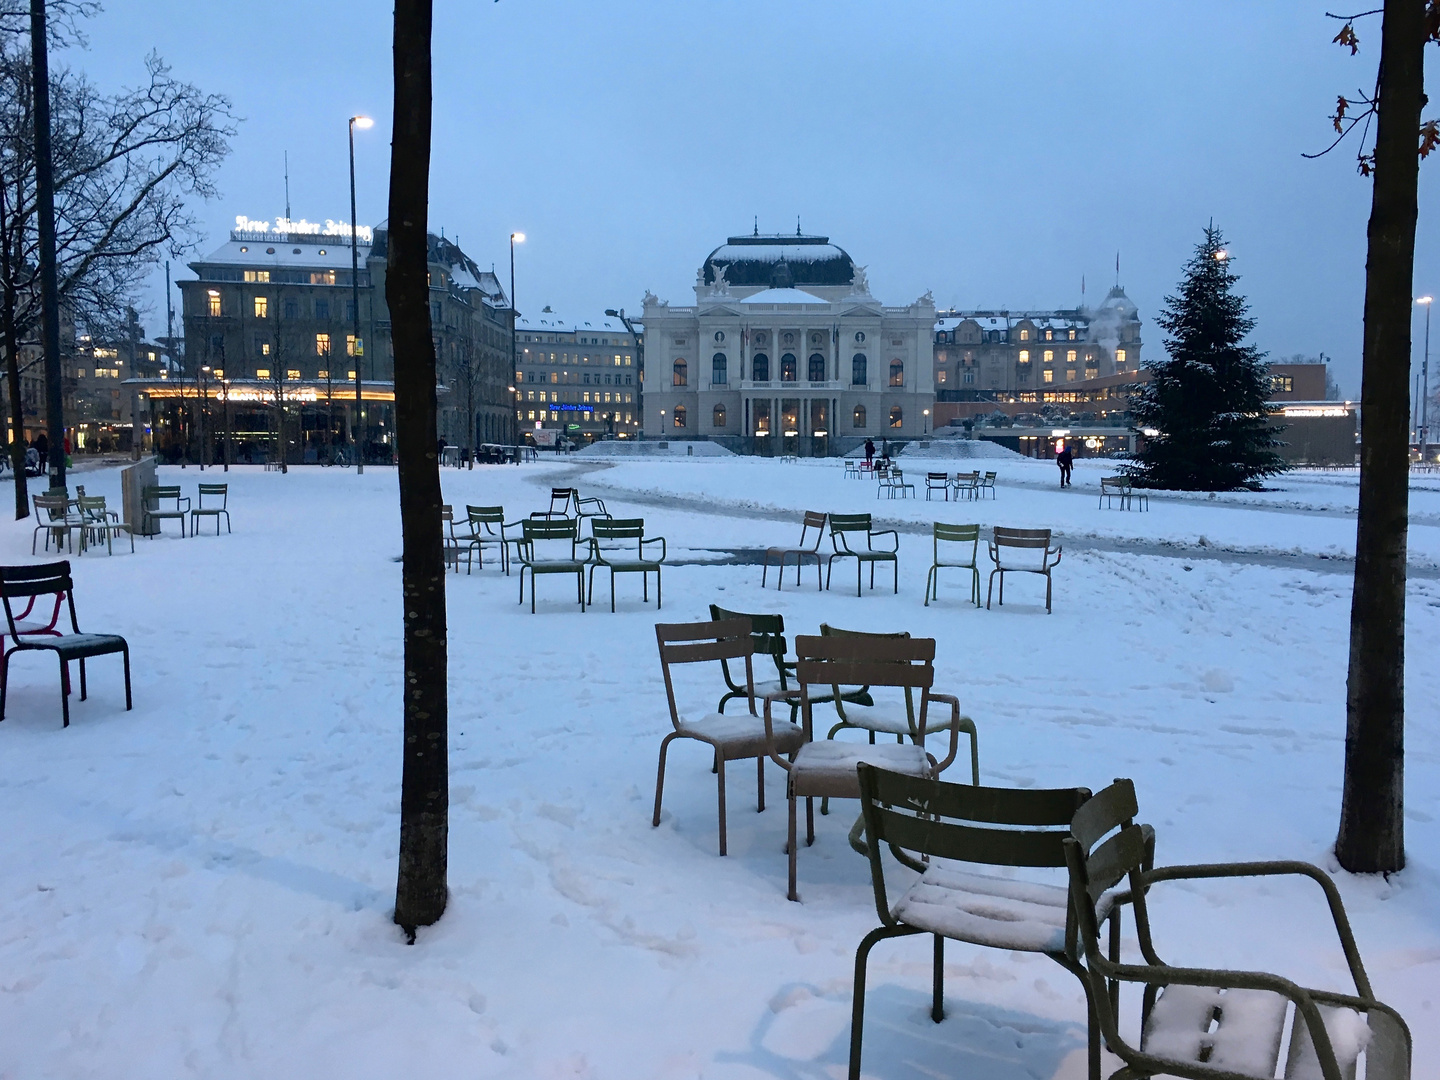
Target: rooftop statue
[(859, 282)]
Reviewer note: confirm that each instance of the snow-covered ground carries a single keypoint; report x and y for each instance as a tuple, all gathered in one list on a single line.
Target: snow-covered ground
[(202, 887)]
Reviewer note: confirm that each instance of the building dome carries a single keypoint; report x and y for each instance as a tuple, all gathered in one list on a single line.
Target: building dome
[(1122, 306), (774, 260)]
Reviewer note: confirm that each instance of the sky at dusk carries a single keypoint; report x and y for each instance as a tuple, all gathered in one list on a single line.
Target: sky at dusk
[(994, 154)]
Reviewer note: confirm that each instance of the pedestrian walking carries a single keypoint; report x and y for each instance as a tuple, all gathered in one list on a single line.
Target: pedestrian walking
[(42, 447), (869, 451), (1066, 460)]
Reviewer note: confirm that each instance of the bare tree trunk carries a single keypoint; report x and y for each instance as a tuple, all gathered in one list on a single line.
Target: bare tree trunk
[(421, 891), (1372, 837), (12, 355)]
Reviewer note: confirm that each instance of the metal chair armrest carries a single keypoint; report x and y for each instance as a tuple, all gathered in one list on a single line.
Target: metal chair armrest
[(773, 696), (654, 540), (1056, 552), (1277, 868), (840, 543), (959, 723), (870, 539)]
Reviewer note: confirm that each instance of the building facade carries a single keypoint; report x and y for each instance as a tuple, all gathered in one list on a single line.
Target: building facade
[(580, 377), (998, 355), (785, 351), (270, 317)]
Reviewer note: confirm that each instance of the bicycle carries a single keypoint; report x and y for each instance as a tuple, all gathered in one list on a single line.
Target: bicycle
[(336, 456)]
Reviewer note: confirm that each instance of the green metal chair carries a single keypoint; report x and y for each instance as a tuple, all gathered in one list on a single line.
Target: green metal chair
[(484, 521), (920, 819), (858, 710), (56, 520), (826, 769), (767, 633), (153, 496), (1021, 551), (215, 491), (842, 528), (958, 536), (618, 545), (543, 547), (1210, 1024), (101, 522)]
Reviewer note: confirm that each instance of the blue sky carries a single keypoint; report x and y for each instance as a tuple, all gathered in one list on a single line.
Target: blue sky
[(993, 154)]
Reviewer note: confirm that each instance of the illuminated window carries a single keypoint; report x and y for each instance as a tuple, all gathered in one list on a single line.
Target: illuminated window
[(789, 367), (940, 375), (679, 418), (1072, 335), (262, 373), (896, 416), (857, 419), (897, 374), (262, 307), (587, 396), (717, 416), (1070, 375), (322, 374), (1024, 356), (261, 276), (554, 376), (322, 344), (1070, 356), (1049, 375), (1049, 356), (292, 373), (1092, 372), (350, 374), (1120, 356), (214, 305), (219, 373), (357, 348), (1049, 335), (679, 377), (1024, 335), (530, 395), (530, 414), (322, 277)]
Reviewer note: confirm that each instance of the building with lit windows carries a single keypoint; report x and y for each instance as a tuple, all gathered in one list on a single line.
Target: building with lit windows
[(581, 377), (270, 317), (785, 351)]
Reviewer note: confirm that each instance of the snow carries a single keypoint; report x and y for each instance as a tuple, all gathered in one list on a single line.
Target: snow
[(784, 296), (943, 447), (650, 448), (202, 886)]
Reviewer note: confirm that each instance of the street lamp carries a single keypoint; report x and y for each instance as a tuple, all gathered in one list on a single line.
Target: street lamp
[(925, 424), (362, 122), (515, 238), (1425, 381)]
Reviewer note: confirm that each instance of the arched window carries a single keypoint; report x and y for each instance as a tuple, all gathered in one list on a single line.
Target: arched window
[(896, 416), (680, 377), (897, 373), (760, 367), (679, 416), (718, 369), (1024, 335), (717, 418), (859, 417), (788, 371), (817, 367), (858, 374)]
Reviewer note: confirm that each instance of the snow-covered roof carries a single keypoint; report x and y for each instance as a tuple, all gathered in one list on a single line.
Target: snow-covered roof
[(784, 296), (327, 253), (547, 322)]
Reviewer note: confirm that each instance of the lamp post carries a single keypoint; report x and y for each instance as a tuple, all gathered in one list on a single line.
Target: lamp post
[(362, 122), (515, 238), (1425, 381), (925, 423), (225, 387), (204, 401)]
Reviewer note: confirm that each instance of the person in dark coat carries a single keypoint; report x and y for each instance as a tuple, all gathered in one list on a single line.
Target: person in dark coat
[(1066, 460), (42, 447), (869, 451)]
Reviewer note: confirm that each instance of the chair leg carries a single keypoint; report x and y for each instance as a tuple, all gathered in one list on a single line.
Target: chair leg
[(809, 821), (1047, 595), (82, 679), (64, 695), (990, 589), (764, 569), (657, 588), (125, 656), (760, 781), (791, 846), (660, 776), (937, 1002), (720, 784), (4, 680), (857, 1006), (799, 559), (928, 578), (895, 565)]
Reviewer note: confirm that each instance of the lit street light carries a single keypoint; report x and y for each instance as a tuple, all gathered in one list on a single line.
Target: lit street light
[(515, 238), (362, 122)]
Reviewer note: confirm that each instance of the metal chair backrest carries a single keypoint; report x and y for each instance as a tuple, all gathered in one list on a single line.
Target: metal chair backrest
[(220, 491), (766, 631), (92, 507), (533, 529), (870, 660), (617, 528), (560, 500), (53, 505), (920, 818), (816, 521), (486, 516), (39, 579), (447, 513), (938, 477), (156, 492), (843, 523), (956, 534), (702, 642), (826, 630)]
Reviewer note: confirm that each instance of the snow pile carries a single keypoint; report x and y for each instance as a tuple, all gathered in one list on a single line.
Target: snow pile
[(646, 448), (960, 449)]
